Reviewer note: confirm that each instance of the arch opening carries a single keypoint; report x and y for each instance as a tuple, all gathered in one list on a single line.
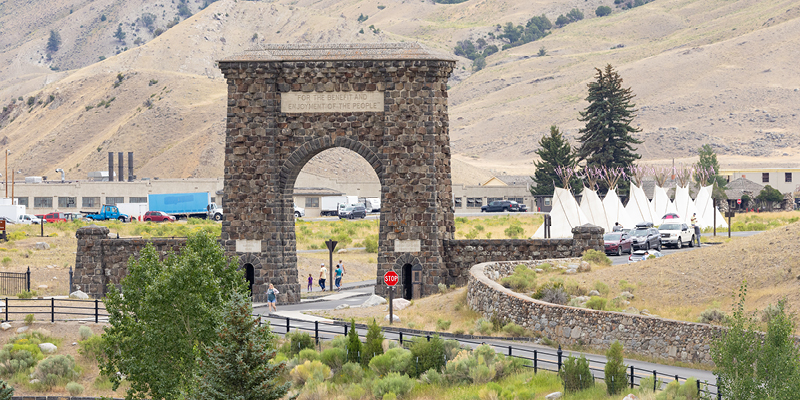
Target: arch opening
[(405, 279), (250, 276)]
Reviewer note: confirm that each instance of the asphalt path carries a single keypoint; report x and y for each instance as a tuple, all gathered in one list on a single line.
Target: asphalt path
[(623, 259)]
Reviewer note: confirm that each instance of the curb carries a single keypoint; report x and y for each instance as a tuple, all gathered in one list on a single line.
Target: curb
[(314, 299)]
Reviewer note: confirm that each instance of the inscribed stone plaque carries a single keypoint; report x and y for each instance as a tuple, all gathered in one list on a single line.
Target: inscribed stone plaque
[(329, 102), (407, 246), (248, 246)]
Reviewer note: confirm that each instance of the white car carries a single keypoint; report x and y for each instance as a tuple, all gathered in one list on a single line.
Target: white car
[(641, 255), (676, 235), (299, 211), (27, 219)]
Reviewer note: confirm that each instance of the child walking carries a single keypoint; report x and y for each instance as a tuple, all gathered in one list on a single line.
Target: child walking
[(310, 282)]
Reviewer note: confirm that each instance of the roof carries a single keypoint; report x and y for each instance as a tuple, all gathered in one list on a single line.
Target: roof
[(338, 52), (522, 180), (302, 191), (740, 186), (494, 181)]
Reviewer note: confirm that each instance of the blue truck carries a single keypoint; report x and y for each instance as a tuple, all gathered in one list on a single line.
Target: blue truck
[(186, 205), (108, 212)]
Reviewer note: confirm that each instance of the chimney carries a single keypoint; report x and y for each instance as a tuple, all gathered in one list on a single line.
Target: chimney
[(121, 167), (110, 166), (130, 167)]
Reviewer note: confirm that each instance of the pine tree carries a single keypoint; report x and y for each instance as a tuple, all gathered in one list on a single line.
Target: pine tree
[(708, 160), (120, 34), (353, 344), (606, 139), (554, 151), (6, 391), (237, 364), (616, 375), (54, 42), (374, 343)]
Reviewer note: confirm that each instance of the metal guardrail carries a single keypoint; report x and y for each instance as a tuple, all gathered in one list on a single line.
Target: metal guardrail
[(15, 282)]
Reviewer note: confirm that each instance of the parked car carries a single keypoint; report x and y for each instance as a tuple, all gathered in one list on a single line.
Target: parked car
[(353, 212), (641, 255), (646, 238), (521, 207), (618, 243), (158, 216), (27, 219), (73, 216), (9, 221), (676, 235), (500, 205), (55, 217)]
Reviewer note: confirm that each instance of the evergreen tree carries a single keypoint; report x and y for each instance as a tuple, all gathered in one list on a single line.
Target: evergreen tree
[(237, 364), (616, 375), (6, 391), (54, 42), (554, 151), (606, 139), (353, 344), (373, 345), (120, 35), (708, 160), (770, 196)]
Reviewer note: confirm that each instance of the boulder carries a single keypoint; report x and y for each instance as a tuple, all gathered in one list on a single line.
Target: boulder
[(396, 318), (631, 310), (41, 246), (47, 348), (22, 329), (539, 271), (631, 397), (42, 287), (341, 251), (627, 295), (400, 304), (585, 267), (33, 381), (5, 326), (571, 271), (553, 396), (342, 306), (594, 293), (645, 312), (78, 294), (373, 300)]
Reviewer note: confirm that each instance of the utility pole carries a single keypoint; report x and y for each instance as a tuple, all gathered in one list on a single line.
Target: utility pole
[(7, 151)]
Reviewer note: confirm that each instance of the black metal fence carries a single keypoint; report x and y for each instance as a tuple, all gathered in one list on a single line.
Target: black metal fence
[(54, 310), (15, 282)]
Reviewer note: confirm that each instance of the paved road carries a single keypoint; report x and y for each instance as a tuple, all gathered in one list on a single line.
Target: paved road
[(623, 259)]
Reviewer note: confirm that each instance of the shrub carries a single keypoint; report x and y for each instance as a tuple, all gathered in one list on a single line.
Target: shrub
[(442, 288), (26, 295), (442, 324), (373, 345), (353, 344), (296, 341), (334, 358), (85, 332), (13, 361), (395, 383), (92, 347), (712, 316), (602, 288), (514, 330), (626, 287), (483, 326), (371, 244), (310, 371), (522, 280), (555, 296), (29, 319), (427, 354), (351, 372), (514, 231), (597, 257), (573, 288), (616, 375), (53, 369), (770, 312), (676, 391), (6, 391), (397, 359), (74, 388), (576, 374), (307, 355), (6, 260), (597, 303), (340, 342), (602, 11), (479, 366)]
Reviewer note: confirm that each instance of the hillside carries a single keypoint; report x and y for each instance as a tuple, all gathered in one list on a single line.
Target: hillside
[(715, 71)]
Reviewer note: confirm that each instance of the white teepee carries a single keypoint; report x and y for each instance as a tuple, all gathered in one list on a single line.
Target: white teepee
[(662, 204), (686, 207), (639, 208), (705, 208), (615, 212), (592, 207), (565, 215)]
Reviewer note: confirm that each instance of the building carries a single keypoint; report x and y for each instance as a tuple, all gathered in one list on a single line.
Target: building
[(468, 198), (779, 178)]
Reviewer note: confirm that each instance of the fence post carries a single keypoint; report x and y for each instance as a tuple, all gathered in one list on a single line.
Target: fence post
[(259, 320), (28, 280), (316, 331), (632, 376), (52, 310), (345, 329), (401, 338), (655, 380), (96, 311), (559, 357), (698, 387), (429, 337), (535, 361), (7, 305), (287, 324), (70, 279), (509, 350)]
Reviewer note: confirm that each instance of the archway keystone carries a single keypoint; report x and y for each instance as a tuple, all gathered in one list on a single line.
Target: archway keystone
[(387, 102)]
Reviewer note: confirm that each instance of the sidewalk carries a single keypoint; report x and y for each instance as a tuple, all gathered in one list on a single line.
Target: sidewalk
[(317, 293)]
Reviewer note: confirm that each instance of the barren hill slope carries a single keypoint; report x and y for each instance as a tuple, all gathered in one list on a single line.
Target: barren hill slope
[(715, 71)]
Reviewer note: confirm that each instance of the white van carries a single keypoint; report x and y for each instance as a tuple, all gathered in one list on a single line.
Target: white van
[(27, 219)]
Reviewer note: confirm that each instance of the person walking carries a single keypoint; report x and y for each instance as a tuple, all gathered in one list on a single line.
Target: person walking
[(617, 227), (323, 272), (272, 298), (310, 282), (696, 229), (338, 272)]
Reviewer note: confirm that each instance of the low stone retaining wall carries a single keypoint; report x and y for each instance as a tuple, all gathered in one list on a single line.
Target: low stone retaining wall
[(62, 398), (650, 336)]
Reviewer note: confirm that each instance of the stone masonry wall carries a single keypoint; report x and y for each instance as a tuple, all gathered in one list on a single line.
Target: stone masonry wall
[(650, 336), (461, 255), (101, 261)]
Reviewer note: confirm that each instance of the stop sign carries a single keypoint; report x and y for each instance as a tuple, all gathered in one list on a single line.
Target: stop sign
[(738, 201), (390, 278)]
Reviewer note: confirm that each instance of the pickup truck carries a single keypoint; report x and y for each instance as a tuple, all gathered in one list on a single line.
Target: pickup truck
[(108, 212)]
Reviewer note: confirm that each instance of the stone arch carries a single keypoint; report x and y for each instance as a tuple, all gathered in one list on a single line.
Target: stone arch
[(405, 266), (254, 262), (294, 164)]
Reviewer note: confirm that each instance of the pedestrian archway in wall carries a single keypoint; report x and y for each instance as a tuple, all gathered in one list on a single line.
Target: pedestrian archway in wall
[(386, 102)]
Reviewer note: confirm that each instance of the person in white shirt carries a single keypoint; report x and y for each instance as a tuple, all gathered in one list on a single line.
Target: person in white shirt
[(323, 273)]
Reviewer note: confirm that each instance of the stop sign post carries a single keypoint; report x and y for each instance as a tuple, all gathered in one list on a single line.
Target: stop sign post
[(390, 278)]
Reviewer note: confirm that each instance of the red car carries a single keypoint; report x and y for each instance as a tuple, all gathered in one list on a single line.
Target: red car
[(618, 243), (54, 217), (158, 216)]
